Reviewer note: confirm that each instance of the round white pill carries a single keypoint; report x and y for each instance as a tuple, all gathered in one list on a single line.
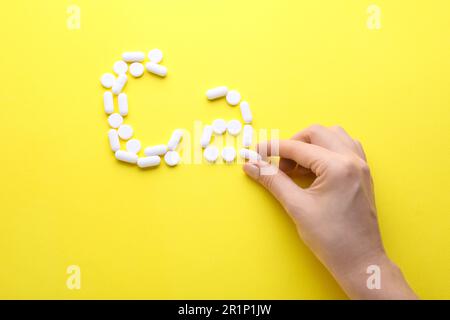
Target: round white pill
[(155, 55), (137, 69), (172, 158), (107, 80), (234, 127), (233, 97), (115, 120), (120, 67), (125, 132), (219, 126), (211, 153), (133, 145), (228, 154)]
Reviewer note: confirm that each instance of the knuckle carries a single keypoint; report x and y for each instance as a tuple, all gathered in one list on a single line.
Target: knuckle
[(315, 128), (351, 167)]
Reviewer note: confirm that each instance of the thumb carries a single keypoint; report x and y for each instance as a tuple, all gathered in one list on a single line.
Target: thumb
[(276, 181)]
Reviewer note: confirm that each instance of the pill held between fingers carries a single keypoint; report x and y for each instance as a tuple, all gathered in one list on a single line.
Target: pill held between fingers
[(206, 136), (249, 154), (247, 136), (245, 112), (216, 93), (125, 132), (155, 55), (107, 80), (119, 84), (172, 158), (133, 145), (136, 56), (115, 120), (146, 162), (175, 139), (228, 154), (120, 67), (156, 69), (233, 97), (155, 150), (234, 127), (126, 156), (113, 138), (211, 153), (219, 126), (108, 102), (137, 69), (123, 104)]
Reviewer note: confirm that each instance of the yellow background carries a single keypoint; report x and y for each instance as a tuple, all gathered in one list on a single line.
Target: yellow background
[(203, 231)]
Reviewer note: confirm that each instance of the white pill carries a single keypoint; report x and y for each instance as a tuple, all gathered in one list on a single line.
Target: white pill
[(119, 84), (113, 138), (233, 97), (219, 126), (156, 69), (172, 158), (125, 132), (228, 154), (137, 69), (108, 102), (146, 162), (234, 127), (249, 154), (135, 56), (123, 104), (248, 136), (211, 153), (133, 145), (175, 139), (245, 112), (115, 120), (120, 67), (216, 93), (155, 150), (206, 136), (155, 55), (126, 156), (107, 80)]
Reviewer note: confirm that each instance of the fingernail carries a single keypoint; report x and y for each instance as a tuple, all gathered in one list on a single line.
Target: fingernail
[(251, 170)]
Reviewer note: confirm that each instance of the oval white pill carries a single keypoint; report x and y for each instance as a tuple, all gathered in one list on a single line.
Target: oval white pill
[(156, 69), (113, 138), (247, 136), (136, 56), (175, 139), (234, 127), (228, 154), (126, 156), (211, 153), (115, 120), (206, 136), (219, 126), (233, 97), (155, 55), (216, 93), (249, 154), (146, 162), (125, 132), (107, 80), (245, 112), (133, 145), (123, 104), (155, 150), (108, 102), (119, 84), (137, 69), (120, 67), (172, 158)]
